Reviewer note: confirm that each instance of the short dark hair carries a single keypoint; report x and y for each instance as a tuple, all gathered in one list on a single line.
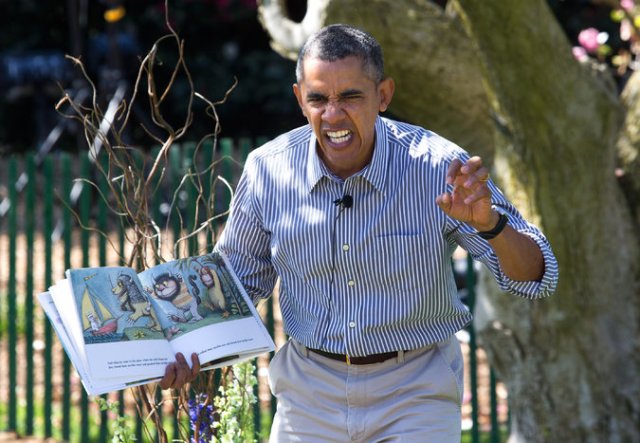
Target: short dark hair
[(336, 42)]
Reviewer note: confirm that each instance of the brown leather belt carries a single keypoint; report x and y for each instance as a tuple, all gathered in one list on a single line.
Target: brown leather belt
[(367, 360)]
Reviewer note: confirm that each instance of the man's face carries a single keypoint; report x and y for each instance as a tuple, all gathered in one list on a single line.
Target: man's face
[(341, 104)]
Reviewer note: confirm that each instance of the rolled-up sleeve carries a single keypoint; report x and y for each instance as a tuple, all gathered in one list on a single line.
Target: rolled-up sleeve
[(481, 251)]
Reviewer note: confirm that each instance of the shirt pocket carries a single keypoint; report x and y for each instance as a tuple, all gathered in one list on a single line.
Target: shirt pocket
[(400, 259)]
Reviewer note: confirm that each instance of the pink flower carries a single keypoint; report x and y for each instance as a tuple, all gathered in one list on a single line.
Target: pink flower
[(627, 5), (588, 39), (626, 30), (580, 54)]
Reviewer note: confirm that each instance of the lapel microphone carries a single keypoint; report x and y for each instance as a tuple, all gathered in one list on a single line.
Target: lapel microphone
[(346, 201)]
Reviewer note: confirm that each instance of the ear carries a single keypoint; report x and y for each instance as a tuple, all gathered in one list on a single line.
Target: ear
[(297, 91), (385, 92)]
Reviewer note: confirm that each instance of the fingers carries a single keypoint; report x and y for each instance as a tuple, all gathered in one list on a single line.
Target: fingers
[(469, 174), (471, 165), (183, 371), (453, 171), (444, 201), (178, 373), (474, 172), (469, 199), (195, 365), (481, 192), (169, 376)]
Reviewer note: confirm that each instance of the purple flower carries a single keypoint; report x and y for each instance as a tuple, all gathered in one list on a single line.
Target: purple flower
[(201, 419)]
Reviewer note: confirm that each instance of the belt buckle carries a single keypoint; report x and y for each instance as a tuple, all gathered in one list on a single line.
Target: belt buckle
[(348, 359)]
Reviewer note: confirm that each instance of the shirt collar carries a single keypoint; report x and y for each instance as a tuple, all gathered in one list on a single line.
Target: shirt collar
[(375, 172)]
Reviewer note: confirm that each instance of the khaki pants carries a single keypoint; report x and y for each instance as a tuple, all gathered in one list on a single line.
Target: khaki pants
[(414, 398)]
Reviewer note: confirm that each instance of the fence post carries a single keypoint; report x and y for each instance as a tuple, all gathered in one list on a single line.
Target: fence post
[(84, 212), (102, 226), (67, 240), (495, 428), (191, 191), (12, 294), (473, 362), (173, 218), (226, 171), (47, 229), (29, 227)]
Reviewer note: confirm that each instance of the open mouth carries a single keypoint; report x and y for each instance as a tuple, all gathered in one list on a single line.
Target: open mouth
[(338, 137)]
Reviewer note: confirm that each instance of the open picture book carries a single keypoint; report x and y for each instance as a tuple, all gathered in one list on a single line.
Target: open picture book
[(121, 328)]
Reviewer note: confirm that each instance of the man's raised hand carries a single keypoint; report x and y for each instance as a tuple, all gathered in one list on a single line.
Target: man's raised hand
[(470, 200)]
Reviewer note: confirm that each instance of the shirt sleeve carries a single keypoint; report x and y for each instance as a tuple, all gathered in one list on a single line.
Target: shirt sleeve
[(244, 240), (480, 250)]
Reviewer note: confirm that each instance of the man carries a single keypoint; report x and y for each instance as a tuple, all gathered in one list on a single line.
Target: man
[(358, 216)]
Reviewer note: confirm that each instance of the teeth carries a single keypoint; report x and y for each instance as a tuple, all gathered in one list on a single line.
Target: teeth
[(339, 136)]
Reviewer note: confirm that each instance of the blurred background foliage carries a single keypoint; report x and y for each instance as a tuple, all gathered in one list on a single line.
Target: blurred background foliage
[(223, 41)]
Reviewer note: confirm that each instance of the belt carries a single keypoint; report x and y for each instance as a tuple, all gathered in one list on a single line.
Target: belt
[(367, 360)]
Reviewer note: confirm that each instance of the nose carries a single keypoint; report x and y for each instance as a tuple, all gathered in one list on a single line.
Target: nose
[(333, 111)]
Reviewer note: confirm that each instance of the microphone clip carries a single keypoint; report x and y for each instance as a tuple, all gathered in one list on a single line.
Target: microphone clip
[(346, 201)]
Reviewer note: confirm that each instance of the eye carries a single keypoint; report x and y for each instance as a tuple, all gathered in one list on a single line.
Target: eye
[(316, 99), (349, 98)]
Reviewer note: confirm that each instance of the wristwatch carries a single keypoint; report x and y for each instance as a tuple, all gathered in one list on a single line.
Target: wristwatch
[(502, 222)]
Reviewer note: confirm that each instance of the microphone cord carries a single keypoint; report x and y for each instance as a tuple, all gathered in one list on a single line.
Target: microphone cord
[(333, 248)]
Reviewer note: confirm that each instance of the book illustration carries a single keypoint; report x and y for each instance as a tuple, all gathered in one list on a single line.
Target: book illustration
[(193, 292), (113, 307), (213, 294), (171, 288), (97, 319), (133, 299), (220, 293), (120, 328)]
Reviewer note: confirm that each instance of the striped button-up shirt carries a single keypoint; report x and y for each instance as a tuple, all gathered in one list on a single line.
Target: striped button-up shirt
[(373, 277)]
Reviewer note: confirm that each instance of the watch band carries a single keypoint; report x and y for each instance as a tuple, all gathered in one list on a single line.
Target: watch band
[(502, 222)]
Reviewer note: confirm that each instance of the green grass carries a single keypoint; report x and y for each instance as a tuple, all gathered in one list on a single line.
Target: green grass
[(75, 431), (485, 437)]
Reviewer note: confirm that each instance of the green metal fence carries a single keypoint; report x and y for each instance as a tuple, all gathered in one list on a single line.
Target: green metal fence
[(40, 237)]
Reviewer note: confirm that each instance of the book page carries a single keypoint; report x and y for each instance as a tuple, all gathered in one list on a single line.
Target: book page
[(46, 301), (122, 333), (209, 310)]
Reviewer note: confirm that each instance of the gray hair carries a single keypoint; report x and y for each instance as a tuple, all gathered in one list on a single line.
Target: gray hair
[(336, 42)]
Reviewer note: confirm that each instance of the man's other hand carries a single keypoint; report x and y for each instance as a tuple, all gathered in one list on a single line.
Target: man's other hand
[(178, 373)]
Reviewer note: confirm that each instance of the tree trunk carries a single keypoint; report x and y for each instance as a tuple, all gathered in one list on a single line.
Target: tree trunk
[(570, 363), (629, 146), (501, 73)]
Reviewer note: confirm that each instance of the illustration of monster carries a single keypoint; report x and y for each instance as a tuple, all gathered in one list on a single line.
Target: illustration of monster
[(169, 288), (133, 299), (215, 297)]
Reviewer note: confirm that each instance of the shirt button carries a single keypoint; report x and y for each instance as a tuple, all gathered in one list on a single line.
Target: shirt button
[(352, 324), (351, 283), (345, 247)]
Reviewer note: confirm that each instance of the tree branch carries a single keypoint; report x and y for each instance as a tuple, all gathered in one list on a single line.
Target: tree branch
[(287, 36)]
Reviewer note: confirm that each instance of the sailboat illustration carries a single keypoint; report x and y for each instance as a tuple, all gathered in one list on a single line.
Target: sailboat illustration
[(96, 317)]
